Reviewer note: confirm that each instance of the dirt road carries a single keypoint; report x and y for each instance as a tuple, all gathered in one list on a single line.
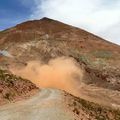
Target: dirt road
[(45, 105)]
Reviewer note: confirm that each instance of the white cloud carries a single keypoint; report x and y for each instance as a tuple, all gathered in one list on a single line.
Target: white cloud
[(101, 17), (112, 33)]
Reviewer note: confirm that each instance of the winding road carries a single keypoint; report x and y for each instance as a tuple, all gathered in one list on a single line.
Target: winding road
[(45, 105)]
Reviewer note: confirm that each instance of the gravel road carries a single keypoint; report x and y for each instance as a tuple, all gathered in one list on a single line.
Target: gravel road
[(45, 105)]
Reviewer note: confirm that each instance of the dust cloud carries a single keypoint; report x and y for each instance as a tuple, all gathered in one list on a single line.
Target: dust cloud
[(61, 73)]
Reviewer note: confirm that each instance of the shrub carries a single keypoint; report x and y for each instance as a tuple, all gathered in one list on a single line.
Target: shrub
[(102, 54), (84, 59)]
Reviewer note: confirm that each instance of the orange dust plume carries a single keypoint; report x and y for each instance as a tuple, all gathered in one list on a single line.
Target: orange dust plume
[(61, 73)]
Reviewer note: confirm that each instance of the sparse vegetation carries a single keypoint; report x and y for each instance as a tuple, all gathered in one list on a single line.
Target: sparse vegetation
[(84, 59), (103, 54)]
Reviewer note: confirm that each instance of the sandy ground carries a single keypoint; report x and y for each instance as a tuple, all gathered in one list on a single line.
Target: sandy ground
[(45, 105)]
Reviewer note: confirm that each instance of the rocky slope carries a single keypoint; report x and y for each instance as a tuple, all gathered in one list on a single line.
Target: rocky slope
[(85, 110), (13, 88)]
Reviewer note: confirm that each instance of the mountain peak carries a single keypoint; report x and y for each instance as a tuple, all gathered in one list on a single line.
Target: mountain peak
[(45, 18)]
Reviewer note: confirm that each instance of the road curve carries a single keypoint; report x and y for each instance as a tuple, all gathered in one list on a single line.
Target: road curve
[(45, 105)]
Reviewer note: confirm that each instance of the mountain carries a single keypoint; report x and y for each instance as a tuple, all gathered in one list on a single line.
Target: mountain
[(46, 39)]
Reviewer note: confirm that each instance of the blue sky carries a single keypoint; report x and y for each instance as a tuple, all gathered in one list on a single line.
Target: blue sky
[(13, 12), (101, 17)]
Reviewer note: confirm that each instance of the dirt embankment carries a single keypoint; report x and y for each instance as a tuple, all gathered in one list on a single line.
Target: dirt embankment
[(84, 110), (13, 88)]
